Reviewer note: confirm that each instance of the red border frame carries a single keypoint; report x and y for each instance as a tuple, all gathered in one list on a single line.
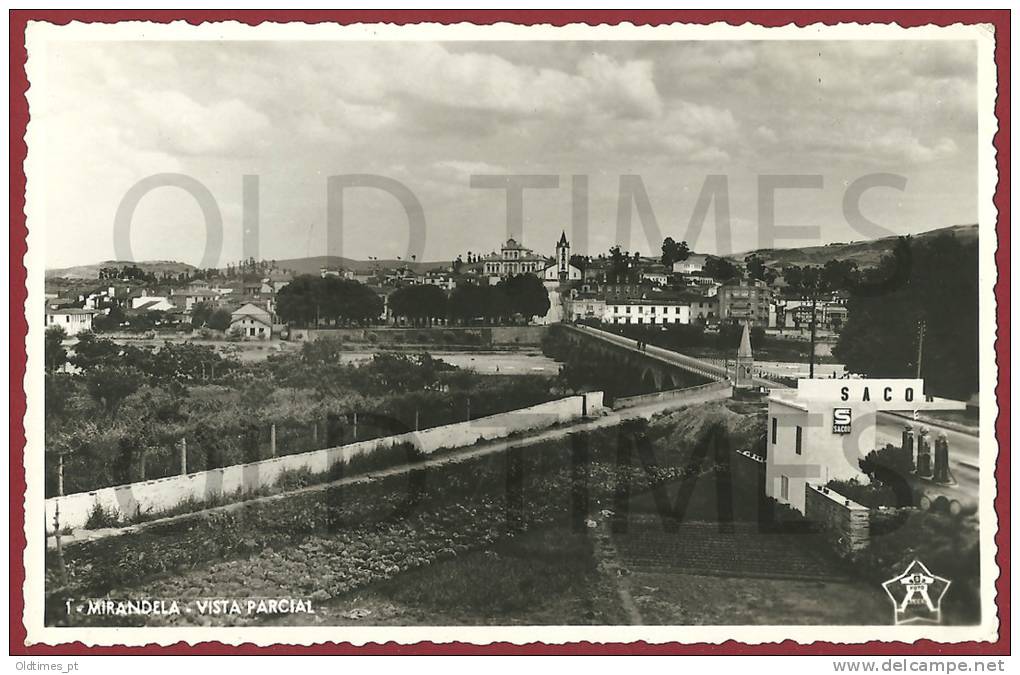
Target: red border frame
[(18, 326)]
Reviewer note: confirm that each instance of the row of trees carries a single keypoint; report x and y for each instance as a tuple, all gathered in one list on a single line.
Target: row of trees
[(311, 300), (522, 295)]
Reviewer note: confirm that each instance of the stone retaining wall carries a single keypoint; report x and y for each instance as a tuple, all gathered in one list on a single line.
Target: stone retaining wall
[(844, 521), (155, 496)]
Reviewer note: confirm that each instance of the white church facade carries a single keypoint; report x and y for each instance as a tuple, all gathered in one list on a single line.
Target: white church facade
[(515, 258)]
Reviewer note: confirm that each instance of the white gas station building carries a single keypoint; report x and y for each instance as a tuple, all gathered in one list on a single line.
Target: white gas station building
[(819, 431)]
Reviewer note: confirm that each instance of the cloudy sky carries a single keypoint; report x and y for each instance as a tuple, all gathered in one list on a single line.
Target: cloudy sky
[(432, 114)]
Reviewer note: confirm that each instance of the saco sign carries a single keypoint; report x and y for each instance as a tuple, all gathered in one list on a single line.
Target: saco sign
[(841, 418), (879, 394)]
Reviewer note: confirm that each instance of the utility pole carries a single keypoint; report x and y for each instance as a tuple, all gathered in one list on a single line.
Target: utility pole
[(811, 362), (56, 516), (920, 345)]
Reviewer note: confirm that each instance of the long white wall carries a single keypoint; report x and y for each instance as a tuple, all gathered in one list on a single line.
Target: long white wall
[(154, 496)]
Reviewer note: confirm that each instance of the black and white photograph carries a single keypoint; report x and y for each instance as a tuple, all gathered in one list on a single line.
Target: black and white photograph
[(510, 333)]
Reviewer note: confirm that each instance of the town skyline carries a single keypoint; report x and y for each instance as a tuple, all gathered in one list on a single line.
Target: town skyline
[(430, 115), (445, 261)]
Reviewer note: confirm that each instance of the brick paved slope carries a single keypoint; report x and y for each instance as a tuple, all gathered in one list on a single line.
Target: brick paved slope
[(701, 548)]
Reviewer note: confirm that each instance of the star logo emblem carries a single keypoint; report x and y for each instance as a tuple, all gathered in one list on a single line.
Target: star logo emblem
[(916, 595)]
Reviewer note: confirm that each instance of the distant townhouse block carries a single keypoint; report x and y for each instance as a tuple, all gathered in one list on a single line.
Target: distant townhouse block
[(586, 306), (187, 299), (251, 322), (72, 320), (744, 302), (650, 311), (656, 274), (705, 309), (830, 314)]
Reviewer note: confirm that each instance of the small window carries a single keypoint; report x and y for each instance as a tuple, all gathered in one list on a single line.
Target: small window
[(800, 438), (775, 429), (784, 487)]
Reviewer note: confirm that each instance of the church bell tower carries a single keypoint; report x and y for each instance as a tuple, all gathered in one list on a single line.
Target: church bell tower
[(563, 257)]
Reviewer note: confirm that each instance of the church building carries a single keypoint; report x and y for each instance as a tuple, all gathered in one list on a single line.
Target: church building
[(561, 269)]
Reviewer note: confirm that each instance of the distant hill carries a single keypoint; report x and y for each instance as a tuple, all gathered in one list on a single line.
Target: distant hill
[(157, 267), (314, 264), (864, 253)]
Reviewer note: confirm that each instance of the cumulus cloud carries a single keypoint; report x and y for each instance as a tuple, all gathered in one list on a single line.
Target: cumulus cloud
[(432, 114), (176, 123)]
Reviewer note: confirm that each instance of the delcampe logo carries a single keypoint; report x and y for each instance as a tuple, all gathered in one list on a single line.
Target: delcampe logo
[(917, 595)]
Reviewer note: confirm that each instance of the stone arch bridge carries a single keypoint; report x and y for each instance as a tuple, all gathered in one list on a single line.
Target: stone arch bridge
[(657, 368)]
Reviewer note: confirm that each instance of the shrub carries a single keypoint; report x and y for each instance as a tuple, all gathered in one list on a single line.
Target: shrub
[(100, 517), (872, 495)]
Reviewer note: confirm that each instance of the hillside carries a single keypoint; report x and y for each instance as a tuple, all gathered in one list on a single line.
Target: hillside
[(864, 253), (92, 271), (314, 264)]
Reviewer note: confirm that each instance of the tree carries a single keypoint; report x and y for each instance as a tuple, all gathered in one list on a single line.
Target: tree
[(91, 351), (756, 267), (109, 321), (526, 295), (673, 252), (109, 385), (56, 355), (840, 274), (219, 319), (466, 303), (619, 265), (298, 302), (200, 313), (419, 303), (310, 300), (720, 269), (322, 350), (933, 282)]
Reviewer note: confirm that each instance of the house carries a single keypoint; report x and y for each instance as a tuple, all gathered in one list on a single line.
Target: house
[(656, 274), (187, 299), (251, 322), (72, 319), (694, 264), (583, 306)]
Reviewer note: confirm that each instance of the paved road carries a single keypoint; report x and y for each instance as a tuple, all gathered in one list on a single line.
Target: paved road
[(963, 447)]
